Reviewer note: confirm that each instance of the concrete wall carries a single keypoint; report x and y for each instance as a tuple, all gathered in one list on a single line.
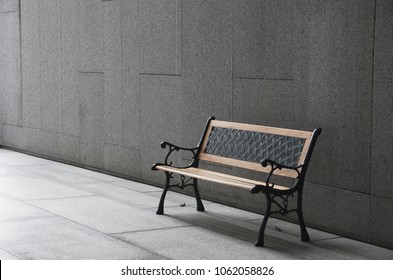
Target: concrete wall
[(103, 82)]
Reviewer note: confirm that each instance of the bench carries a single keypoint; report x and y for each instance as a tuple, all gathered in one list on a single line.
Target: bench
[(276, 152)]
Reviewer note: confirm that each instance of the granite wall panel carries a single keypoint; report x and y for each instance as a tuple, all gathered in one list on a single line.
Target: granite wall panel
[(381, 224), (70, 148), (122, 160), (91, 43), (382, 141), (207, 44), (340, 92), (12, 136), (160, 120), (91, 87), (31, 64), (160, 36), (130, 72), (264, 39), (9, 6), (344, 212), (383, 51), (113, 88), (50, 64), (10, 81), (69, 95), (273, 102), (41, 142)]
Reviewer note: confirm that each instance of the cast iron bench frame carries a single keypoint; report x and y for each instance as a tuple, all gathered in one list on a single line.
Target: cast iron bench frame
[(271, 150)]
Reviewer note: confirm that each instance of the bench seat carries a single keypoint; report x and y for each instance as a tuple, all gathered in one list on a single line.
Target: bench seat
[(217, 177)]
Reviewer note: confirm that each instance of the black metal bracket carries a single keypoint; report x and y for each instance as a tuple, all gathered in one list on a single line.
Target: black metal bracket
[(173, 148), (183, 182), (274, 166), (283, 206)]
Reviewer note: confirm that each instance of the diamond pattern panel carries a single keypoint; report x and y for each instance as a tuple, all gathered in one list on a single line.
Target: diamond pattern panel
[(254, 146)]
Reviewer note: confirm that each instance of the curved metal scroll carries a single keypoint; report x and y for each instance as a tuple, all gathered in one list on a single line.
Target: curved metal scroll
[(176, 148)]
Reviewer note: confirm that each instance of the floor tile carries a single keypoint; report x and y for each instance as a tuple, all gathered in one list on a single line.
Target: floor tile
[(192, 243), (4, 255), (357, 247), (56, 238), (122, 194), (139, 187), (36, 188), (107, 215), (14, 210)]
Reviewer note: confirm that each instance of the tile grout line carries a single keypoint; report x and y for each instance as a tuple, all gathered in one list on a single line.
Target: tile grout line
[(153, 229), (12, 254)]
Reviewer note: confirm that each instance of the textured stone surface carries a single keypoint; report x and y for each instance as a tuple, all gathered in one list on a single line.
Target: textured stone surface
[(50, 64), (340, 93), (122, 160), (41, 141), (273, 102), (113, 88), (341, 210), (130, 58), (12, 136), (207, 64), (263, 39), (69, 96), (69, 148), (381, 226), (10, 85), (31, 71), (91, 118), (114, 217), (160, 121), (382, 141), (91, 43), (160, 31), (383, 52), (9, 6), (58, 238)]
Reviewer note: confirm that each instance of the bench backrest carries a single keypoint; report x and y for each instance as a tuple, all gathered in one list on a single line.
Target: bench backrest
[(246, 145)]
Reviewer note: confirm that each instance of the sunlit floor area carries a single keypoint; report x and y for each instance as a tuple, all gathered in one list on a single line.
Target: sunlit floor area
[(50, 210)]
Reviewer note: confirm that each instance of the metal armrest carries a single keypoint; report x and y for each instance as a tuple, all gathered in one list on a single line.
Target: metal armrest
[(274, 166), (172, 148)]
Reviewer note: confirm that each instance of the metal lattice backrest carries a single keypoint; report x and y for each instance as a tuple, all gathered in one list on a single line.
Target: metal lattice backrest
[(246, 145), (254, 146)]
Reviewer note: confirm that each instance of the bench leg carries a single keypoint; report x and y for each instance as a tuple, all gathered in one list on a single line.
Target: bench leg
[(200, 206), (160, 210), (304, 235), (260, 241)]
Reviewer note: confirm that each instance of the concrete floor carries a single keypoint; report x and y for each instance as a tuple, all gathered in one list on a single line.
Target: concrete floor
[(51, 210)]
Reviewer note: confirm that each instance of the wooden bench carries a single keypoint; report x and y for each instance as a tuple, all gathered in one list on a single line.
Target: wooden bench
[(273, 151)]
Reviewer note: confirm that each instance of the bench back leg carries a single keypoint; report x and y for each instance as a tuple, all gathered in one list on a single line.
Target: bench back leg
[(200, 206), (261, 234), (304, 235), (160, 210)]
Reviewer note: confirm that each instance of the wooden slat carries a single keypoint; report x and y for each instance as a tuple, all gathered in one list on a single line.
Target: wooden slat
[(263, 129), (304, 151), (216, 177), (246, 165), (205, 140)]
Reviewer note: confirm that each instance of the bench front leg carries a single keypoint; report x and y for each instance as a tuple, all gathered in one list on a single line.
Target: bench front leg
[(261, 235), (200, 206), (160, 210)]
